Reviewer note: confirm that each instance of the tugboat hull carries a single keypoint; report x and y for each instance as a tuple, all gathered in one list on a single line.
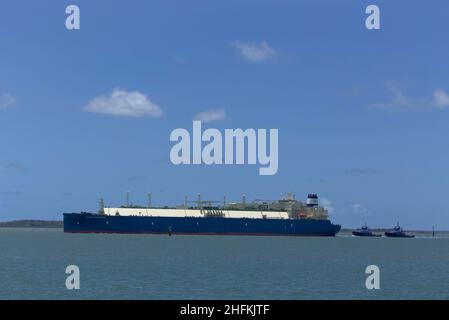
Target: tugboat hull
[(398, 235)]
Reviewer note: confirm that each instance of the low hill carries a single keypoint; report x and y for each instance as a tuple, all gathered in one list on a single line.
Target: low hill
[(31, 224)]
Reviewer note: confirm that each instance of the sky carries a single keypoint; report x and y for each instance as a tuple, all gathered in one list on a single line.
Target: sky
[(362, 114)]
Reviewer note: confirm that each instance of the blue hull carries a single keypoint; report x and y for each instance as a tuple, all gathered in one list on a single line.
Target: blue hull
[(398, 235), (91, 223)]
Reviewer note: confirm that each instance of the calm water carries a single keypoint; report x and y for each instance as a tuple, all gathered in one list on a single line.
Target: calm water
[(33, 262)]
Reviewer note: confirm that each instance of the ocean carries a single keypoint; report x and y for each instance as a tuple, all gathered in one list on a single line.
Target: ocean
[(33, 264)]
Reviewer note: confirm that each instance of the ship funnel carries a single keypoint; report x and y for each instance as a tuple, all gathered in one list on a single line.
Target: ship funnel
[(312, 200)]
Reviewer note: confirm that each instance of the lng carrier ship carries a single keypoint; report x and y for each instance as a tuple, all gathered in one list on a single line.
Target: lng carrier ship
[(285, 217)]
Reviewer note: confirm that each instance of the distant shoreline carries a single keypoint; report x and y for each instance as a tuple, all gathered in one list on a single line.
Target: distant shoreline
[(32, 224)]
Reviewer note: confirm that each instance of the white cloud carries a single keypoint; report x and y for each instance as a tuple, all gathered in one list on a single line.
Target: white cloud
[(7, 101), (400, 102), (327, 204), (13, 167), (441, 99), (123, 103), (359, 210), (254, 52), (211, 116), (398, 98)]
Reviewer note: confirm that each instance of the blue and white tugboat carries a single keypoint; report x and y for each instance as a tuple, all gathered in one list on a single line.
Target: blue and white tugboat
[(397, 232), (365, 232)]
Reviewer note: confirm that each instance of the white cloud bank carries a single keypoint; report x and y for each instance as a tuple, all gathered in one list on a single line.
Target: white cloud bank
[(6, 101), (441, 99), (125, 104), (255, 52), (13, 167), (400, 102), (359, 210), (211, 116)]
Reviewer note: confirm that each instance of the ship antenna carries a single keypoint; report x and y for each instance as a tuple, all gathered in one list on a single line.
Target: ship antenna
[(149, 199), (127, 198)]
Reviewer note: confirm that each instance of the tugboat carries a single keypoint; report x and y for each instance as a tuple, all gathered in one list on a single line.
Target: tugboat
[(397, 232), (365, 232)]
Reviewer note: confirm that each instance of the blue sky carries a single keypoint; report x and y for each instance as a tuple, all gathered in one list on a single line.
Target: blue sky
[(362, 114)]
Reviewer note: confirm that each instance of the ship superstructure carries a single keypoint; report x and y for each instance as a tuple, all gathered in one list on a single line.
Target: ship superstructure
[(286, 208)]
